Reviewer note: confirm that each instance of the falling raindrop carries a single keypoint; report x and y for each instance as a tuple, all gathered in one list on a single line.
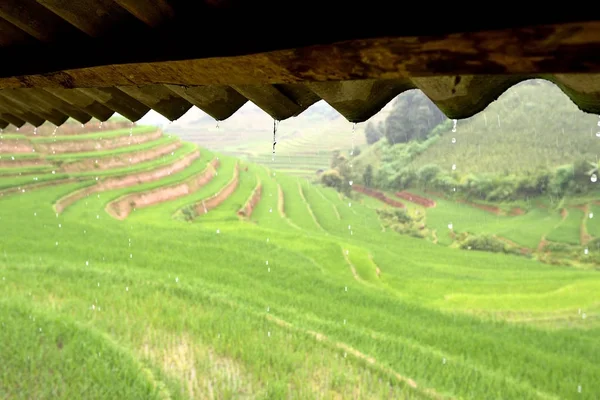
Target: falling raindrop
[(349, 204), (56, 243), (453, 167), (591, 215), (598, 134), (267, 240), (177, 280), (218, 231), (270, 210), (60, 225), (454, 126), (87, 263), (450, 226), (53, 172), (267, 262), (593, 178), (130, 255), (269, 334), (583, 316), (350, 183), (269, 269), (453, 140), (586, 251), (345, 288), (349, 227), (579, 389)]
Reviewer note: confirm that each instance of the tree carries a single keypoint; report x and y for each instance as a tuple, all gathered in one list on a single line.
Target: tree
[(332, 178), (368, 175), (373, 133), (413, 117)]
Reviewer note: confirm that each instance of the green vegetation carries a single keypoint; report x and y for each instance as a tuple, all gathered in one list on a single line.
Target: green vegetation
[(137, 130), (315, 295)]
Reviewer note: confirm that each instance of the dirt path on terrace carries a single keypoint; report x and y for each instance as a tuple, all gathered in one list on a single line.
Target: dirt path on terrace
[(377, 270), (204, 206), (121, 160), (415, 198), (122, 207), (127, 181), (352, 268), (35, 162), (320, 337), (248, 208), (15, 146)]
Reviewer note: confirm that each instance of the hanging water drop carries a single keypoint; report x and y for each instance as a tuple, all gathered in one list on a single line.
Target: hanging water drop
[(454, 125)]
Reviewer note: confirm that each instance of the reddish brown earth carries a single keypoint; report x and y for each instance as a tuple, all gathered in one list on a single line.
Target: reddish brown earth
[(120, 161), (415, 198), (564, 213), (492, 209), (122, 207), (82, 145), (250, 205), (14, 146), (584, 236), (212, 202), (127, 180), (280, 201), (378, 195), (516, 211)]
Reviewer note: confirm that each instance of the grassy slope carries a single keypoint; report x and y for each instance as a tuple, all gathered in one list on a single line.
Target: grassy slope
[(529, 126), (166, 300)]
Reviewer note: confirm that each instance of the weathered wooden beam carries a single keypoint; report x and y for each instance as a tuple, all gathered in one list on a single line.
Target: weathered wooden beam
[(29, 100), (16, 114), (3, 124), (84, 102), (151, 12), (117, 101), (37, 21), (220, 102), (160, 99), (558, 48), (270, 100), (10, 35), (60, 105)]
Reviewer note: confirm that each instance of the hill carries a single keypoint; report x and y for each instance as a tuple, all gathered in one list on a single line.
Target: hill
[(531, 126), (136, 265), (304, 143)]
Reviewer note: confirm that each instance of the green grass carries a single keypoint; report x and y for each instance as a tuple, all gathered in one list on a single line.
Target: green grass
[(137, 130), (592, 224), (152, 306), (569, 229), (66, 157)]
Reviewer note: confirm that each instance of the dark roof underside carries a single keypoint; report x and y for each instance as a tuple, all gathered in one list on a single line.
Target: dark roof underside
[(91, 58)]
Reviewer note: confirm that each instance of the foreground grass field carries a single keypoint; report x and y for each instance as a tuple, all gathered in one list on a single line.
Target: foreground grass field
[(307, 298)]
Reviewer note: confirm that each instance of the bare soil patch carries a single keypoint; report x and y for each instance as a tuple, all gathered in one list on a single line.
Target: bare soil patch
[(212, 202), (250, 205), (122, 207), (120, 161), (378, 195), (78, 146), (415, 198), (127, 181)]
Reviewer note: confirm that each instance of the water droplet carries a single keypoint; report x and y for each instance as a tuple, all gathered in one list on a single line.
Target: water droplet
[(347, 252), (268, 308), (269, 269), (583, 316), (350, 183), (53, 172), (60, 225), (56, 244), (130, 255), (579, 389), (87, 263), (586, 251), (267, 240), (453, 140), (93, 307), (443, 361), (591, 215), (269, 334), (345, 288), (176, 279), (345, 354), (593, 178), (450, 226), (270, 210), (267, 262), (349, 204), (98, 284), (218, 231), (454, 189), (349, 227), (453, 167), (344, 322), (97, 216), (35, 214)]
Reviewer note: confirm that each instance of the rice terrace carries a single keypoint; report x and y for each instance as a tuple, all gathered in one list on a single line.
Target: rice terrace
[(192, 207), (276, 286)]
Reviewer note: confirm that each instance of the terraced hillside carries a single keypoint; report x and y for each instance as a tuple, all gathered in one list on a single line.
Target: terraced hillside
[(304, 145), (132, 271)]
